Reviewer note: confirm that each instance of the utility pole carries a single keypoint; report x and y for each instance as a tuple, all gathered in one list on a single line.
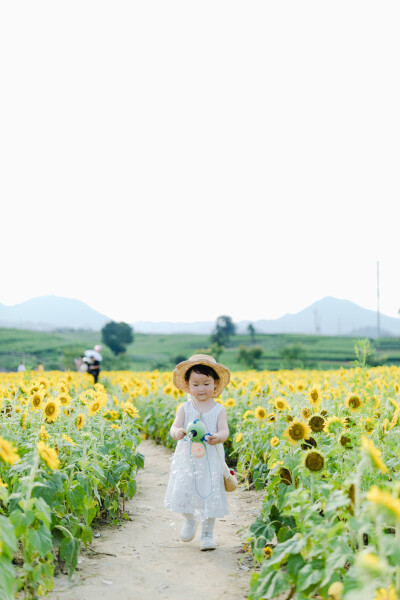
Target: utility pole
[(377, 294)]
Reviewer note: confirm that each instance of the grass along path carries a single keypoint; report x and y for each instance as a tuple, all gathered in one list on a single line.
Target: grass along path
[(145, 559)]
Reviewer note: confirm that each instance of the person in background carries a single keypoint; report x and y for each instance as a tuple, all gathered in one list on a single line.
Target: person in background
[(21, 367), (94, 365), (40, 367), (81, 363)]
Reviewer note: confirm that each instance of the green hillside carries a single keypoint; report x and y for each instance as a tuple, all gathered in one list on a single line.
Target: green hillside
[(147, 352)]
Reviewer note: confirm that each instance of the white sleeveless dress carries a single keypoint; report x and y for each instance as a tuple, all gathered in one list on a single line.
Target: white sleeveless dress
[(196, 485)]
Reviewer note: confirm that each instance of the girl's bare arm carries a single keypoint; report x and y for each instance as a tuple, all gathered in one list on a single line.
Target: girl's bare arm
[(177, 430), (222, 433)]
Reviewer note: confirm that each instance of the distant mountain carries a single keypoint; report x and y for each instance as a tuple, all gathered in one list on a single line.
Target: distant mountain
[(45, 313), (166, 327), (331, 316), (328, 316)]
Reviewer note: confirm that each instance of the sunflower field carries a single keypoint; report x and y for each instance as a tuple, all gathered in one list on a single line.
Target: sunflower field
[(321, 446), (68, 458)]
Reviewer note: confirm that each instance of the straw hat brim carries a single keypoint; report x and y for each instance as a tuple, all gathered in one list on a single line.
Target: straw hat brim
[(201, 359)]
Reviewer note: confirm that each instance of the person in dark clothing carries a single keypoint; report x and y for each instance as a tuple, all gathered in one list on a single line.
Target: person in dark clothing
[(94, 368)]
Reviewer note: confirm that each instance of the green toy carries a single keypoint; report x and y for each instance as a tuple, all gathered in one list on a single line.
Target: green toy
[(196, 431)]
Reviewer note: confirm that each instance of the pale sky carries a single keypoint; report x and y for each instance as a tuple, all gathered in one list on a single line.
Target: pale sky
[(165, 160)]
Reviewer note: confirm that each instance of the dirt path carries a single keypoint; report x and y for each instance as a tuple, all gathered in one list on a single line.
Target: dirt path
[(144, 559)]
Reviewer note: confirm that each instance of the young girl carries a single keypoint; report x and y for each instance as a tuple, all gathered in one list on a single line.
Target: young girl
[(196, 485)]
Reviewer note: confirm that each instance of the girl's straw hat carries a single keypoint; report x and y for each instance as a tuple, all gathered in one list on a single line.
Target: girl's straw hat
[(201, 359)]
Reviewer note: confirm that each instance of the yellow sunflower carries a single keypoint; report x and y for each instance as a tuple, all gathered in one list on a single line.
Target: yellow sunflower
[(43, 382), (386, 593), (49, 455), (316, 423), (345, 441), (305, 412), (247, 414), (281, 404), (131, 410), (111, 415), (373, 453), (353, 402), (260, 413), (51, 411), (314, 396), (80, 421), (8, 453), (385, 500), (94, 407), (43, 433), (286, 476), (314, 460), (64, 399), (25, 418), (268, 552), (230, 402), (66, 438), (335, 590), (274, 441), (377, 402), (238, 437), (371, 563), (36, 401), (369, 425), (84, 397), (394, 420), (298, 431)]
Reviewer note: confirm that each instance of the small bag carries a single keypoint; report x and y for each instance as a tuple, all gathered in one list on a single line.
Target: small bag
[(230, 481)]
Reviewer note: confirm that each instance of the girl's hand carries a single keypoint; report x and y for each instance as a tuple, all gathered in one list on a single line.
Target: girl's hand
[(213, 439), (178, 433)]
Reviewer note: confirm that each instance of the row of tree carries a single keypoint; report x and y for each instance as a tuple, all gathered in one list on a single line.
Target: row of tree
[(117, 336), (225, 328)]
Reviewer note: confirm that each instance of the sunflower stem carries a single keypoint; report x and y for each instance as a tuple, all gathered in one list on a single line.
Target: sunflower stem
[(378, 529), (31, 480), (83, 463), (357, 503), (312, 489)]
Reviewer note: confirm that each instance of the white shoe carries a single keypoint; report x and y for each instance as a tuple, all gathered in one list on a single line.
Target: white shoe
[(188, 531), (207, 542)]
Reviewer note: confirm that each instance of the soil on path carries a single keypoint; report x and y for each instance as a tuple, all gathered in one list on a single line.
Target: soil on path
[(144, 559)]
